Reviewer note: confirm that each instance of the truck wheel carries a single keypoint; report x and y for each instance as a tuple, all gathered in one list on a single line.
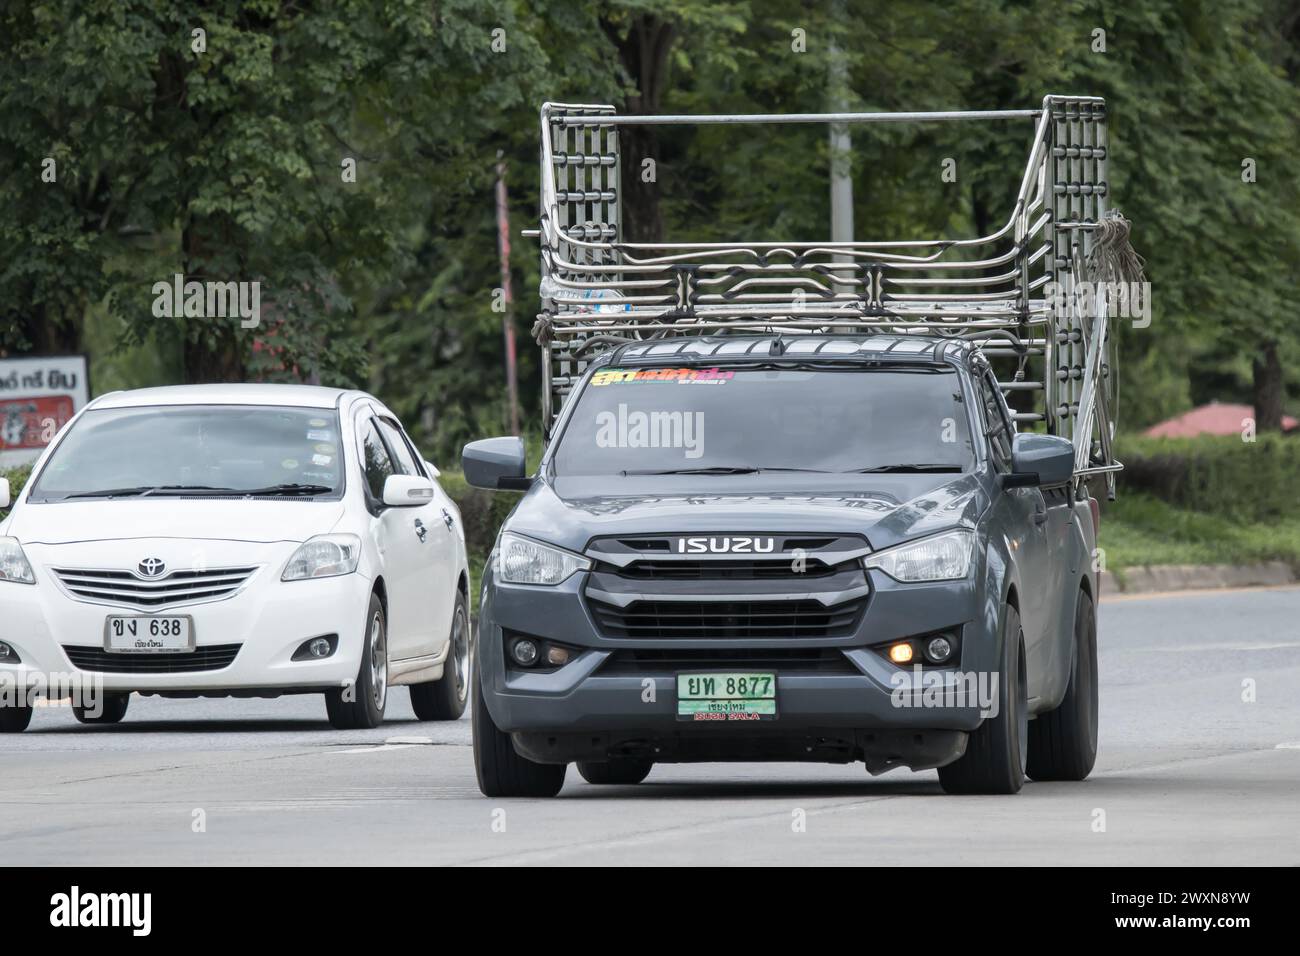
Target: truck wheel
[(361, 706), (994, 761), (624, 770), (502, 772), (1063, 742), (112, 710), (14, 719), (444, 698)]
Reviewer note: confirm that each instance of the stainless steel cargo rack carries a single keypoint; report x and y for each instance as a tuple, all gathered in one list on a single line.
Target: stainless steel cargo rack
[(994, 290)]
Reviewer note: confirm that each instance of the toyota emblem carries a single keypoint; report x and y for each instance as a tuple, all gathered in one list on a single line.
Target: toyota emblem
[(152, 567)]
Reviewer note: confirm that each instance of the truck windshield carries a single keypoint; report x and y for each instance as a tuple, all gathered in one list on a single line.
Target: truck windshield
[(745, 420), (158, 451)]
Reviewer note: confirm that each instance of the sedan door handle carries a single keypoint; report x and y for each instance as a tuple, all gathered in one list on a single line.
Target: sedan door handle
[(420, 530), (1040, 517)]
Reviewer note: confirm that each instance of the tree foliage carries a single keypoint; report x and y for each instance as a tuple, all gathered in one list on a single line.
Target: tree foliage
[(226, 163)]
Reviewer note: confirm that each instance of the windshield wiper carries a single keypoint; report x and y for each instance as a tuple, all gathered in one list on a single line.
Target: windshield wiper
[(180, 490), (113, 492), (287, 489), (717, 470), (915, 469)]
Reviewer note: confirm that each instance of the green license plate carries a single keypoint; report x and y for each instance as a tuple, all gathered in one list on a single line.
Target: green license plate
[(726, 697)]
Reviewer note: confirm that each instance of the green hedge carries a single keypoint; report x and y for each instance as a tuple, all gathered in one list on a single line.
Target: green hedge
[(1250, 481), (17, 478)]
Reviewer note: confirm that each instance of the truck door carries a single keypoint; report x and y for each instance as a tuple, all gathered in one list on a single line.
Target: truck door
[(1027, 531)]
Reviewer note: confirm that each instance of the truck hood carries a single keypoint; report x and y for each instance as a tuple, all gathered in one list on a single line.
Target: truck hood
[(886, 509), (207, 519)]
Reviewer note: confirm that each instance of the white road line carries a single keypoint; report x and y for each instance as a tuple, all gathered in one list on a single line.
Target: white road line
[(374, 750)]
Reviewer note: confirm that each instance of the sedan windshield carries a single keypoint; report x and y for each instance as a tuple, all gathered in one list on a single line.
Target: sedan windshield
[(157, 451), (723, 421)]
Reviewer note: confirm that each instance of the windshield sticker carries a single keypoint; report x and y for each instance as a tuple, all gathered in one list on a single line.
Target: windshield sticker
[(680, 376), (289, 464), (321, 460), (318, 435), (318, 422), (325, 449)]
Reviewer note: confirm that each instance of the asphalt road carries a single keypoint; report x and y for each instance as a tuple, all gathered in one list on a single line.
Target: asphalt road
[(1189, 773)]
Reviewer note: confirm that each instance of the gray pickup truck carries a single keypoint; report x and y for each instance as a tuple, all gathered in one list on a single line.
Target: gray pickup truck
[(827, 548)]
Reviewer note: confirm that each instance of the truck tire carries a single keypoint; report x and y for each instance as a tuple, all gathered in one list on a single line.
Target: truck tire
[(112, 710), (626, 770), (14, 720), (1063, 742), (994, 761), (361, 706), (444, 698), (500, 770)]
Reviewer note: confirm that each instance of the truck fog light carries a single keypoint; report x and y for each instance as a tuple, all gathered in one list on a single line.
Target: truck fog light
[(938, 650), (901, 653), (524, 652), (557, 656), (319, 647)]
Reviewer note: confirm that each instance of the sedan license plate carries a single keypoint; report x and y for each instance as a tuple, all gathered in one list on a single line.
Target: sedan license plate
[(148, 635), (726, 697)]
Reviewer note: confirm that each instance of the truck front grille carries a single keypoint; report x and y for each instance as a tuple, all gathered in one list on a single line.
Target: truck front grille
[(727, 619), (802, 660), (799, 587)]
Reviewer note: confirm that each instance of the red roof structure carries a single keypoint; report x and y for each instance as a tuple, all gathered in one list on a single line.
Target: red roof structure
[(1213, 419)]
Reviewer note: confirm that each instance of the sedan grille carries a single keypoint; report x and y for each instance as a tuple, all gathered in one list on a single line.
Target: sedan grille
[(179, 587), (211, 658)]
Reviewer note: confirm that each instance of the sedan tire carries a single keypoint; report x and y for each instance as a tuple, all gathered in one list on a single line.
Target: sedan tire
[(361, 705)]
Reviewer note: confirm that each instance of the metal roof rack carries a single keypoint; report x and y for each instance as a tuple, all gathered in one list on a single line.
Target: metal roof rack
[(598, 290)]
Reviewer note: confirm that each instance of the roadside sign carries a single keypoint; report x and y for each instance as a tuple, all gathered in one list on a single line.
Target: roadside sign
[(38, 395)]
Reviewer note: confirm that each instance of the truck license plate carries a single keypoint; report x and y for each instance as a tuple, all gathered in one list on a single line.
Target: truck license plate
[(726, 697)]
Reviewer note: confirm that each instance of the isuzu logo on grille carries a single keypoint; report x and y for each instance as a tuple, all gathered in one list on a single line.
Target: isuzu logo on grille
[(727, 545), (152, 567)]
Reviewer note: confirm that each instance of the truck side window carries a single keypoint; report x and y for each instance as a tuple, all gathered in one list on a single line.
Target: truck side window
[(997, 426)]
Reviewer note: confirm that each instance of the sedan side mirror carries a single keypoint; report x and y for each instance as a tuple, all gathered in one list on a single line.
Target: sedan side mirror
[(406, 491), (1039, 460), (4, 493), (498, 464)]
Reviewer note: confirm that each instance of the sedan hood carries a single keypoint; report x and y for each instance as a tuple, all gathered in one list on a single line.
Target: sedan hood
[(257, 520), (886, 509)]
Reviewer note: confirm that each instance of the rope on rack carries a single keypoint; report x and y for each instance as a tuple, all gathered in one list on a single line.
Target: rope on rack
[(1113, 258)]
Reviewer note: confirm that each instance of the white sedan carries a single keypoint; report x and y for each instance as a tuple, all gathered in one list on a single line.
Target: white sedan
[(233, 540)]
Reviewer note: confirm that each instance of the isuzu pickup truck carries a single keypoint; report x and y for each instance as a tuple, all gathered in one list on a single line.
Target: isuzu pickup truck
[(807, 501), (755, 548)]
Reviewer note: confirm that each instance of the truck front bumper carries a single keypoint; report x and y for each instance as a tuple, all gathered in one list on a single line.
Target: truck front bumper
[(855, 705)]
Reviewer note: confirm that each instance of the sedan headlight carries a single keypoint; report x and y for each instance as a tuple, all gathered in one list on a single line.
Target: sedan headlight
[(324, 556), (943, 557), (525, 561), (13, 563)]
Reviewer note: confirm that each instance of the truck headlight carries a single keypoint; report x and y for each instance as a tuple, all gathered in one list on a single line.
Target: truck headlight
[(324, 556), (943, 557), (525, 561), (13, 563)]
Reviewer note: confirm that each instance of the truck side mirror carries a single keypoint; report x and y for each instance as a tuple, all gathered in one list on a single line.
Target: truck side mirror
[(1039, 460), (497, 464)]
